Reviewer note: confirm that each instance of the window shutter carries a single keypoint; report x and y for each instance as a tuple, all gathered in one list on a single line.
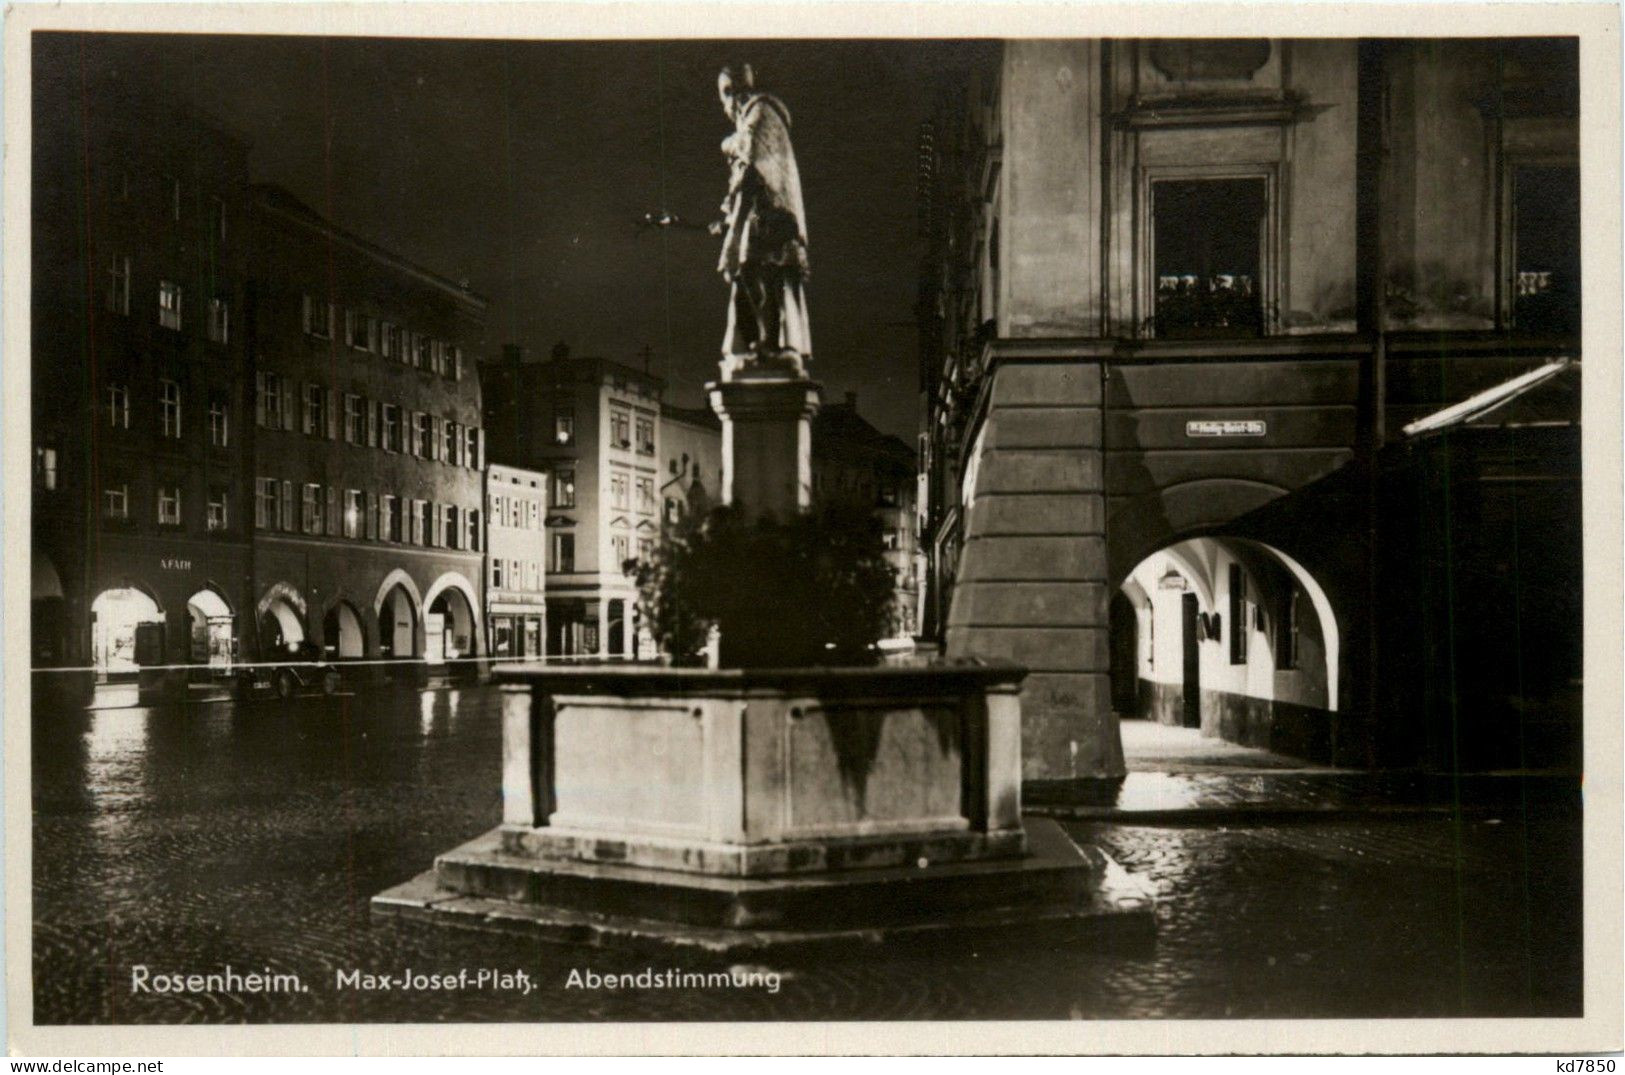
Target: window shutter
[(434, 437), (259, 398), (289, 404), (439, 524), (335, 525), (332, 414), (287, 505), (372, 423), (370, 510), (412, 433)]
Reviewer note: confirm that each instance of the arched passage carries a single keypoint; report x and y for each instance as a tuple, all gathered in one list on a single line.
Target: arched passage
[(451, 628), (1235, 637), (116, 617), (212, 628), (343, 636), (281, 620)]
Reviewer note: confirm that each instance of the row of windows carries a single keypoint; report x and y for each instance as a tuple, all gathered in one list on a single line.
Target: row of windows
[(116, 502), (365, 422), (508, 574), (171, 411), (621, 426), (515, 512), (171, 301), (363, 515), (621, 550), (363, 332), (170, 197), (619, 483)]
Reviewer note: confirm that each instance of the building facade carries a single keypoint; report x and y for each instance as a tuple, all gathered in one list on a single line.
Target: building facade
[(854, 463), (516, 562), (368, 448), (593, 426), (140, 544), (691, 447), (1180, 300)]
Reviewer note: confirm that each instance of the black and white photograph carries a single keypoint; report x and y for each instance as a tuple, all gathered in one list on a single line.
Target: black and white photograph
[(715, 526)]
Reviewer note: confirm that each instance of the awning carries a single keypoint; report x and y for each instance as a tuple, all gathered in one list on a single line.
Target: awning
[(1477, 406)]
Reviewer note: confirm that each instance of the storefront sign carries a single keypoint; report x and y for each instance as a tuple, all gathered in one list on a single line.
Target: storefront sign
[(169, 563), (1237, 427)]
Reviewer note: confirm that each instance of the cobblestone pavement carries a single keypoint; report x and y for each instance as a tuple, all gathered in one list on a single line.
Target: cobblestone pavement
[(190, 839)]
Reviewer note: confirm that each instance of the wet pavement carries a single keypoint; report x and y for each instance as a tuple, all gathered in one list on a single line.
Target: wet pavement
[(189, 839)]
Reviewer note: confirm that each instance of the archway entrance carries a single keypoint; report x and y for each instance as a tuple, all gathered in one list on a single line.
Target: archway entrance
[(212, 623), (449, 628), (48, 619), (282, 628), (397, 625), (117, 616), (1230, 641), (342, 634)]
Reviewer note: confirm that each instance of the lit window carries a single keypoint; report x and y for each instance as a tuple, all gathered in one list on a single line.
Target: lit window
[(564, 488), (219, 423), (219, 319), (118, 284), (217, 509), (45, 468), (118, 406), (352, 513), (169, 403), (169, 304), (116, 501), (169, 505), (564, 426)]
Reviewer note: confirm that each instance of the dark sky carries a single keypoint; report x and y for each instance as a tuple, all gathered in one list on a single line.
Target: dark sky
[(522, 166)]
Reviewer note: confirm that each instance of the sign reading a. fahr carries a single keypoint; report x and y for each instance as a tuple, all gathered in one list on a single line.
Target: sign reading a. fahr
[(1228, 427)]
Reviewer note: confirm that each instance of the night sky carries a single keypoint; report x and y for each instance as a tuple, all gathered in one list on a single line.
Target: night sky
[(521, 167)]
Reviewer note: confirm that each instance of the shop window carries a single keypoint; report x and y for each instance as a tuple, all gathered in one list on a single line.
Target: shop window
[(1546, 250), (1207, 264), (352, 513)]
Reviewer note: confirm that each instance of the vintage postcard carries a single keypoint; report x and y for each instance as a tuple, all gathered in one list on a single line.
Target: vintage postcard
[(891, 529)]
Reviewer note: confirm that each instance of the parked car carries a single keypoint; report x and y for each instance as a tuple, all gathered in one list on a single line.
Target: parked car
[(301, 671)]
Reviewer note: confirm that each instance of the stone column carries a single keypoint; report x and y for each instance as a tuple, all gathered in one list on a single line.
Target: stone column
[(766, 440)]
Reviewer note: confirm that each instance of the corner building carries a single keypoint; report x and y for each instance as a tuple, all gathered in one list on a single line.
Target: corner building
[(367, 469), (1182, 302)]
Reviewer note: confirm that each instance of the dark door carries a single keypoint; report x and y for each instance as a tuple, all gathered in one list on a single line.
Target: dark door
[(1125, 654), (1193, 661)]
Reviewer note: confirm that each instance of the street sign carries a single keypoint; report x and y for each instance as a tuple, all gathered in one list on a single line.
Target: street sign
[(1229, 427)]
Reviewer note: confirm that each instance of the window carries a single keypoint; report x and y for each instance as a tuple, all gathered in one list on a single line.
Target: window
[(425, 435), (646, 436), (264, 503), (471, 447), (392, 428), (1286, 631), (1207, 239), (389, 341), (219, 327), (471, 529), (516, 514), (423, 351), (423, 524), (448, 441), (495, 505), (169, 505), (389, 518), (646, 495), (621, 553), (217, 509), (533, 575), (535, 513), (646, 548), (312, 517), (172, 194), (564, 424), (219, 421), (355, 419), (118, 406), (118, 284), (1239, 627), (318, 318), (352, 513), (618, 491), (564, 553), (620, 428), (564, 488), (359, 330), (315, 419), (116, 501), (169, 304), (169, 406), (496, 571), (1546, 249), (285, 504), (45, 468), (454, 362)]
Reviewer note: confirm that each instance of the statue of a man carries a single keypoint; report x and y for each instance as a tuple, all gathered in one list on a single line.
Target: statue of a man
[(764, 249)]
